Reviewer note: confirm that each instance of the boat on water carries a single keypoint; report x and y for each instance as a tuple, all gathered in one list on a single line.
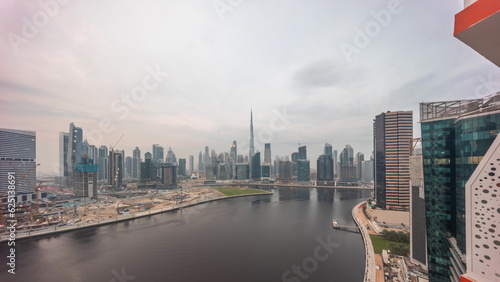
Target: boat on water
[(335, 223)]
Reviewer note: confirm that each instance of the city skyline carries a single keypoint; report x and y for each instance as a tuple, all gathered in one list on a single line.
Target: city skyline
[(80, 66)]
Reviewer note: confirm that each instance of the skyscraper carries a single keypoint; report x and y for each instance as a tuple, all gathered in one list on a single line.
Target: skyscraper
[(418, 246), (302, 153), (360, 157), (303, 170), (234, 152), (233, 159), (328, 150), (456, 135), (392, 133), (18, 155), (200, 162), (148, 168), (267, 153), (158, 154), (75, 147), (63, 154), (336, 169), (252, 148), (92, 152), (136, 163), (367, 171), (255, 166), (128, 166), (103, 163), (295, 158), (325, 168), (265, 171), (85, 178), (347, 168), (171, 159), (242, 171), (206, 158), (285, 170), (191, 163), (169, 175), (115, 166), (182, 167), (223, 172)]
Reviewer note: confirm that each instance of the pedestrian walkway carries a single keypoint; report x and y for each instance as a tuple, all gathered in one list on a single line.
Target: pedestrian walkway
[(372, 260)]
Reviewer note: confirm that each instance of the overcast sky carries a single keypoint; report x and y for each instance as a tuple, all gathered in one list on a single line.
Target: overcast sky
[(185, 74)]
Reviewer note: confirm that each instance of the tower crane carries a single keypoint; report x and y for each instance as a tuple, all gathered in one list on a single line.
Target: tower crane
[(112, 147)]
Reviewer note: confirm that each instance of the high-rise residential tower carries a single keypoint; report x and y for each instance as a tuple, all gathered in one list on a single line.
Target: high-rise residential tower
[(191, 163), (255, 169), (158, 154), (347, 168), (85, 178), (302, 153), (75, 147), (115, 168), (136, 163), (267, 153), (18, 156), (103, 163), (336, 169), (171, 159), (325, 168), (63, 154), (206, 158), (360, 157), (182, 167), (200, 162), (303, 171), (392, 134)]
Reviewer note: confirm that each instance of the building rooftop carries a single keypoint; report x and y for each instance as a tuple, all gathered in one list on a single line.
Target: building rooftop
[(459, 108)]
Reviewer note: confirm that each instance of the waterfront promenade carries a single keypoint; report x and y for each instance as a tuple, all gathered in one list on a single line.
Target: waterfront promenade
[(50, 231), (371, 273)]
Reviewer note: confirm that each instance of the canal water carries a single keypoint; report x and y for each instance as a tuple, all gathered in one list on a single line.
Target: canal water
[(287, 236)]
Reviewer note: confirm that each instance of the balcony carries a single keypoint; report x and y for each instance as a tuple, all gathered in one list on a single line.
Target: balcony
[(478, 26)]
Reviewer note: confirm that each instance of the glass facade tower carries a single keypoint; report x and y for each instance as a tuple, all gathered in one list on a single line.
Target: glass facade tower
[(455, 137)]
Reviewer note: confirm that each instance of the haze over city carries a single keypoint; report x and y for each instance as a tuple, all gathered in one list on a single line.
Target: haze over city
[(221, 62)]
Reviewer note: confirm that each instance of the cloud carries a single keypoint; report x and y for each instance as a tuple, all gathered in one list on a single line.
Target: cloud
[(265, 54), (23, 89)]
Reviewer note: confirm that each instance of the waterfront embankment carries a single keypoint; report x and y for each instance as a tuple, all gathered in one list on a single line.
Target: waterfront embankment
[(51, 231), (370, 270)]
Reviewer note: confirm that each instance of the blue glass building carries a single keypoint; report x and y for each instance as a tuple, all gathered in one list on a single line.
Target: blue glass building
[(455, 137)]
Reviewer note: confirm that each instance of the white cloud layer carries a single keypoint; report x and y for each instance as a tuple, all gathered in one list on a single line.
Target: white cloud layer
[(72, 64)]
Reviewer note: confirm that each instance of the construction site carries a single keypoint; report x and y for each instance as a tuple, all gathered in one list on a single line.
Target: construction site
[(59, 207)]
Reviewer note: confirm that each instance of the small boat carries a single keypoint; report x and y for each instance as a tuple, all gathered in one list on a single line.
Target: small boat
[(335, 223)]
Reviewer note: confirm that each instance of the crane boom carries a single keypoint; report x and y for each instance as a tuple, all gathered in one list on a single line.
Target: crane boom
[(112, 147)]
